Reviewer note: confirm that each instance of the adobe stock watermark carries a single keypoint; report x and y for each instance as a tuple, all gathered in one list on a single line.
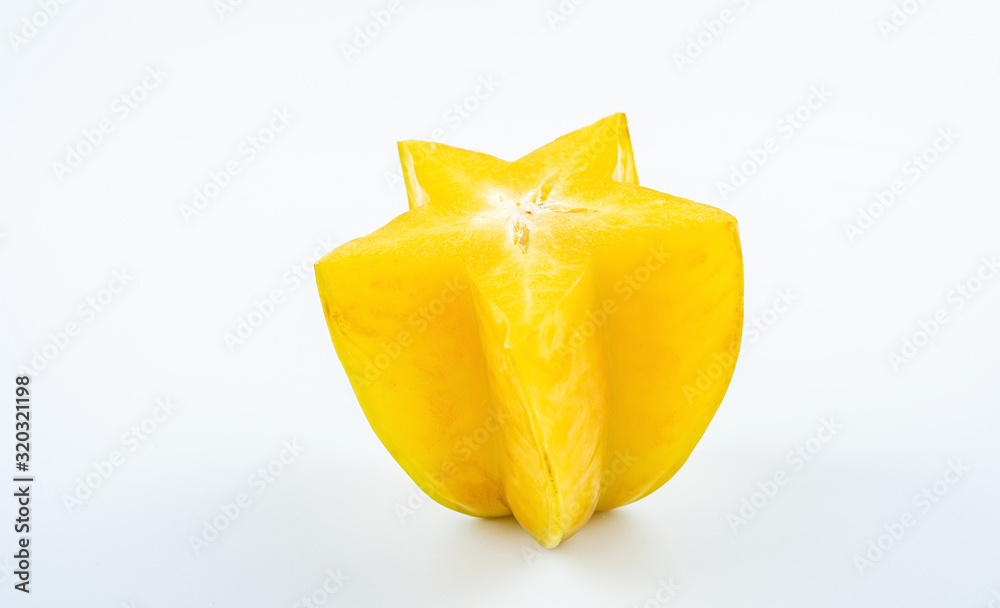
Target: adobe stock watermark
[(619, 465), (325, 591), (131, 440), (923, 501), (898, 17), (462, 110), (712, 29), (453, 119), (625, 288), (562, 12), (663, 594), (419, 321), (292, 279), (258, 481), (796, 459), (782, 303), (463, 451), (121, 109), (223, 8), (786, 127), (33, 24), (247, 151), (929, 327), (760, 323), (86, 312), (367, 32), (913, 170)]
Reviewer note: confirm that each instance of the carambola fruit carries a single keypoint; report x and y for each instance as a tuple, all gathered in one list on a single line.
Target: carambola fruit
[(544, 337)]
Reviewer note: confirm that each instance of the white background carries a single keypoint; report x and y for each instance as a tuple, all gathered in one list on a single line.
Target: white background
[(323, 180)]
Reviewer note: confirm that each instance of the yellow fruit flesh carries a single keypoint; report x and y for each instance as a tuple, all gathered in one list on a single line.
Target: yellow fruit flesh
[(543, 337)]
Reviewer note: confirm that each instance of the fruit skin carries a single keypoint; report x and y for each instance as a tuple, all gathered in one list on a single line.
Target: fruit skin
[(543, 338)]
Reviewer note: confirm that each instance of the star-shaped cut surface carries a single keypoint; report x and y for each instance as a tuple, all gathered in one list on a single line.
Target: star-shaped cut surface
[(542, 337)]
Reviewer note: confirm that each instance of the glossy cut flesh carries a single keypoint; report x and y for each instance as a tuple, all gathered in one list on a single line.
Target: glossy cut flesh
[(541, 338)]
